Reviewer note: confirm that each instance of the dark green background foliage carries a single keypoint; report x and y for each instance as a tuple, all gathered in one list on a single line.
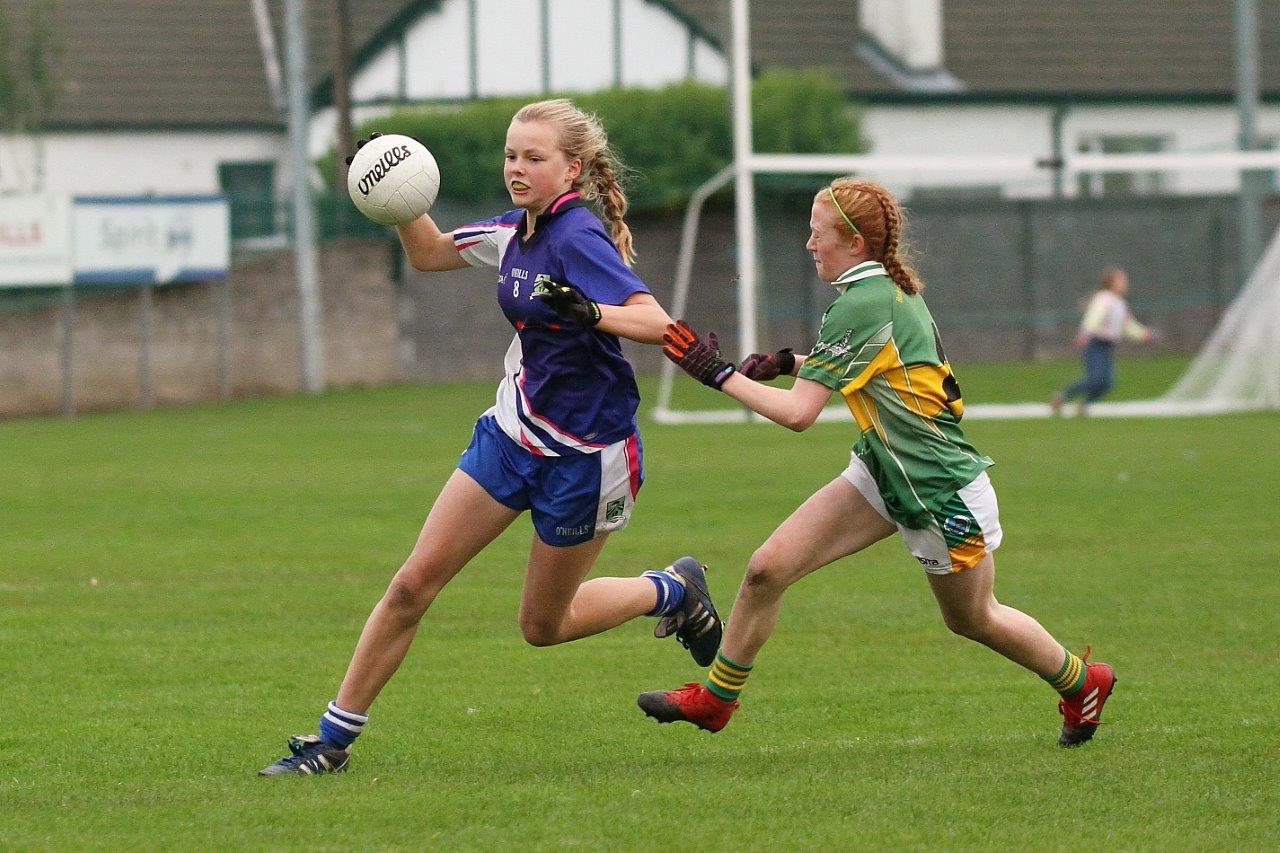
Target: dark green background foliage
[(671, 139), (31, 53)]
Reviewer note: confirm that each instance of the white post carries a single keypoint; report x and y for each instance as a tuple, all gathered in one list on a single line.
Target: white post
[(744, 179), (684, 273), (146, 399), (1253, 186), (224, 338), (68, 350), (304, 225)]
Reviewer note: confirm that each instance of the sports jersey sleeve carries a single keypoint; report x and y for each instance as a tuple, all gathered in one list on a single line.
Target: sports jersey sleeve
[(1095, 316), (592, 264), (854, 344), (1132, 329), (482, 243)]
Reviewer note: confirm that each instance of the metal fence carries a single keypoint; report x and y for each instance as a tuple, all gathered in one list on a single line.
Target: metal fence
[(1005, 280), (1008, 278)]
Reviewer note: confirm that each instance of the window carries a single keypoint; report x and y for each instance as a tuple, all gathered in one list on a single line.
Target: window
[(250, 192), (1123, 183)]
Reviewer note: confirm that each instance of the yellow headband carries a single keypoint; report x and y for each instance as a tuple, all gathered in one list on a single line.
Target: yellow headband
[(831, 192)]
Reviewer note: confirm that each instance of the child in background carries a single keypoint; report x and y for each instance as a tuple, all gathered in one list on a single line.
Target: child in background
[(1107, 320)]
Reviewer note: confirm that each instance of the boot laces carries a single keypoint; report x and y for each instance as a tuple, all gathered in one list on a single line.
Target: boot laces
[(304, 748), (690, 687)]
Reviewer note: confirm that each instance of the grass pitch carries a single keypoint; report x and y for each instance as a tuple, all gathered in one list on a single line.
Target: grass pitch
[(180, 590)]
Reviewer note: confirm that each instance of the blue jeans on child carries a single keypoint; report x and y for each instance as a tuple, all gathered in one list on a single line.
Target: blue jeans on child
[(1099, 372)]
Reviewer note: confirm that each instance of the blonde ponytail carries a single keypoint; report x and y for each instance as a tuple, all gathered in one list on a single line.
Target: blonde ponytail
[(582, 137)]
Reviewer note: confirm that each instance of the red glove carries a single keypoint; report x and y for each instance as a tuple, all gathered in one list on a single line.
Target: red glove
[(700, 360)]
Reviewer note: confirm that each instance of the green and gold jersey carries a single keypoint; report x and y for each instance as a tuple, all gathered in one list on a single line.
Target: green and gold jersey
[(880, 349)]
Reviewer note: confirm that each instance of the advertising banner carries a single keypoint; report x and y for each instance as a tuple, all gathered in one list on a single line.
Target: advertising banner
[(150, 240), (35, 245)]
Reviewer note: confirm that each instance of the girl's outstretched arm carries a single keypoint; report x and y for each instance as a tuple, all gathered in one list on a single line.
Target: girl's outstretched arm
[(427, 247), (641, 318), (795, 408)]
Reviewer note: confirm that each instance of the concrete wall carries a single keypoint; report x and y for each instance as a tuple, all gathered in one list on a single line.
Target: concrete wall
[(360, 339), (136, 162), (1004, 282)]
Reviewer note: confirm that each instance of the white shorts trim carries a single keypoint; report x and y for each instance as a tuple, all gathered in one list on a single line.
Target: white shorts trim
[(929, 545), (621, 472)]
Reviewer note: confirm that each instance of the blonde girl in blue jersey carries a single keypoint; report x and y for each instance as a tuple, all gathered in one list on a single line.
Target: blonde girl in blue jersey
[(912, 471), (561, 439)]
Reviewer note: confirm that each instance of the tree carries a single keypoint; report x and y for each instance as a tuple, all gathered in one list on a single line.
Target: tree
[(30, 82), (30, 68)]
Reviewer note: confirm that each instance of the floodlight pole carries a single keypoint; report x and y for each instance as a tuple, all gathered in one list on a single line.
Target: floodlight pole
[(304, 224), (744, 180), (1252, 184)]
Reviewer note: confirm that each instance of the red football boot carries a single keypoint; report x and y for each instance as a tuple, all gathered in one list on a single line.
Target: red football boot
[(693, 703), (1082, 711)]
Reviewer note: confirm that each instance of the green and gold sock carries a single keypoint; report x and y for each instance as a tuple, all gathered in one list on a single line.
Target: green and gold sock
[(726, 678), (1070, 678)]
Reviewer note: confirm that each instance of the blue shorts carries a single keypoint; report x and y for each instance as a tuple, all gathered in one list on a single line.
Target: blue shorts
[(572, 499)]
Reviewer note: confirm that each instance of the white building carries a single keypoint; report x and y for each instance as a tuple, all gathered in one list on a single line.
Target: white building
[(183, 97)]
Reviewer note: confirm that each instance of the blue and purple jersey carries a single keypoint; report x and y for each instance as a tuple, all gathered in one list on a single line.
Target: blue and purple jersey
[(567, 388)]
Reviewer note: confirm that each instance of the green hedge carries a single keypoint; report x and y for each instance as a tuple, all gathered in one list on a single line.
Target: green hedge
[(670, 139)]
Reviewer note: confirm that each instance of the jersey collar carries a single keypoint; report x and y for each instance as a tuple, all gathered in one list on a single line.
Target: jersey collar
[(564, 202), (866, 269)]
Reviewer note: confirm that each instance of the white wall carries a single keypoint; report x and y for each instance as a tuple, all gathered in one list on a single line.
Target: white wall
[(380, 77), (960, 130), (509, 42), (1190, 128), (581, 45), (911, 30), (160, 162), (655, 45), (655, 51), (709, 64), (163, 162), (437, 57), (994, 129)]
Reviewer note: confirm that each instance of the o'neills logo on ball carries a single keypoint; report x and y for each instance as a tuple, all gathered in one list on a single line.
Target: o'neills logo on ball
[(385, 163)]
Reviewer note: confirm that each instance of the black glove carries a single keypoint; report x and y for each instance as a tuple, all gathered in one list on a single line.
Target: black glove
[(568, 302), (360, 143), (765, 368), (700, 360)]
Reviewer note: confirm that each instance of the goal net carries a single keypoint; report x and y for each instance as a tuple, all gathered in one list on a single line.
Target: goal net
[(1239, 365)]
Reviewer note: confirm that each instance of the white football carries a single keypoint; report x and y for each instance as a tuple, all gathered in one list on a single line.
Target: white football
[(393, 179)]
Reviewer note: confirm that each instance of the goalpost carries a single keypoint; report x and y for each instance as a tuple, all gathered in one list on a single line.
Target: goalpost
[(1238, 369)]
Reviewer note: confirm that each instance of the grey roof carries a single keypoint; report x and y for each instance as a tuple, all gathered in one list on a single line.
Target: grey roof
[(157, 62), (1103, 47), (183, 63), (197, 63), (795, 34), (1028, 48)]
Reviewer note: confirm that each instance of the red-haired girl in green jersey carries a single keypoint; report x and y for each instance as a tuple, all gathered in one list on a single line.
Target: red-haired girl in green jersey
[(911, 471)]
